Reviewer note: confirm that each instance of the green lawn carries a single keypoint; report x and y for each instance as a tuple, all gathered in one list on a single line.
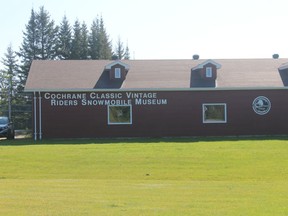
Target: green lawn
[(144, 177)]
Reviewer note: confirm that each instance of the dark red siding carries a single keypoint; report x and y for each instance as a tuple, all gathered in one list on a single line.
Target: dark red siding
[(214, 72), (178, 114), (112, 72)]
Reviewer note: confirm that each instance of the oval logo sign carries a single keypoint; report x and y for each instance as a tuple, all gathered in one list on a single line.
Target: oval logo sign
[(261, 105)]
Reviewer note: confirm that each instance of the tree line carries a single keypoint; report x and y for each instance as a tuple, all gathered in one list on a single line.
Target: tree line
[(44, 40)]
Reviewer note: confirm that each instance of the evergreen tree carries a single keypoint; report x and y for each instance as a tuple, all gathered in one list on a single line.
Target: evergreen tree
[(76, 41), (64, 40), (119, 49), (47, 35), (94, 44), (29, 47), (9, 79), (99, 42), (105, 46), (10, 73), (127, 53), (39, 41), (84, 42), (16, 106)]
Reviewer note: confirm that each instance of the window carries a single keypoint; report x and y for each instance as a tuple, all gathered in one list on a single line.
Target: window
[(214, 113), (209, 72), (117, 73), (119, 114)]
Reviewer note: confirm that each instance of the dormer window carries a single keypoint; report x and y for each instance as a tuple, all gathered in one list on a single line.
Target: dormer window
[(207, 69), (208, 72), (117, 73), (205, 74)]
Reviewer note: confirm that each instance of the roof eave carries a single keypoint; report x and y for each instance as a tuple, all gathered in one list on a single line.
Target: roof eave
[(156, 89)]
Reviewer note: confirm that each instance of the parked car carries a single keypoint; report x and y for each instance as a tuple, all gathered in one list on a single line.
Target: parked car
[(6, 128)]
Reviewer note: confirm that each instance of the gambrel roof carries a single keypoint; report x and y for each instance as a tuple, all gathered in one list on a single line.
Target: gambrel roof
[(78, 75)]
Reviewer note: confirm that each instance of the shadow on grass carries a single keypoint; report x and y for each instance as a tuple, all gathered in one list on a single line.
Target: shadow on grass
[(30, 141)]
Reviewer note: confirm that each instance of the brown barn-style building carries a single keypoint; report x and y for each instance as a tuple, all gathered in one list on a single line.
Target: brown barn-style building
[(159, 98)]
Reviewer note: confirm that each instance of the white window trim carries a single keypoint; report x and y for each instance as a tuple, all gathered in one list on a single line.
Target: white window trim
[(211, 121), (208, 72), (117, 73), (119, 123)]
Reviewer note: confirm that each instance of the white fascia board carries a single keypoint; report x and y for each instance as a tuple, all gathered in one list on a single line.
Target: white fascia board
[(108, 67), (283, 66), (157, 89), (200, 66)]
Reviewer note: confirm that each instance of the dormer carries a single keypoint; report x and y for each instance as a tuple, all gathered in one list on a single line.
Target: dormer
[(283, 72), (283, 67), (117, 70), (208, 69)]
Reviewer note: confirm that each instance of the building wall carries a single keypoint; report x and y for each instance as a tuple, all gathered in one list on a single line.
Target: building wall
[(158, 113)]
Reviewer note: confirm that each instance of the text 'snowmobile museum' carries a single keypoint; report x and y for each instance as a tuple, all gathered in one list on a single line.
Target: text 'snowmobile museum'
[(158, 98)]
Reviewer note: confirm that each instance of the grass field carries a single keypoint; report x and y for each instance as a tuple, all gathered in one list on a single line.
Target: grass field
[(144, 177)]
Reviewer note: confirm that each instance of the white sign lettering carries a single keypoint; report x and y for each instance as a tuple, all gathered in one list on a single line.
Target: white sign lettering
[(104, 99)]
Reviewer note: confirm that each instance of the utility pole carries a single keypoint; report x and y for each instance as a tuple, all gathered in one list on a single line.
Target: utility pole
[(9, 97)]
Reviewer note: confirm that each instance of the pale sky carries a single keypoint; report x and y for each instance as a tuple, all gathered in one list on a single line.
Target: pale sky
[(158, 29)]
